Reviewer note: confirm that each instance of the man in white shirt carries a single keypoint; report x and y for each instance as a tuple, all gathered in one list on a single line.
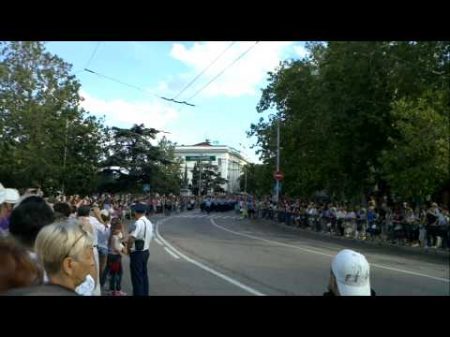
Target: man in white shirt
[(83, 213), (138, 246)]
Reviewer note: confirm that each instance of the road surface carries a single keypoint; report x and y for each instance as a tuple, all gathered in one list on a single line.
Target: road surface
[(220, 254)]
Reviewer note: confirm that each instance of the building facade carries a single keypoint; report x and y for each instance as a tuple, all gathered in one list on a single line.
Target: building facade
[(229, 162)]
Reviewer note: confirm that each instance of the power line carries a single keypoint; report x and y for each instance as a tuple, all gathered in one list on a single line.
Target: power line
[(215, 77), (92, 55), (179, 102), (206, 68), (121, 82), (89, 60), (136, 87)]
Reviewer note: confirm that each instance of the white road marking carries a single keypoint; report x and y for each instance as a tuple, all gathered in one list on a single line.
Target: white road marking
[(158, 242), (208, 269), (171, 253), (328, 255), (409, 272), (271, 241)]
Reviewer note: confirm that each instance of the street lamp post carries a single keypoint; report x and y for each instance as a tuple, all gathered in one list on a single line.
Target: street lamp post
[(65, 157), (245, 175), (277, 192), (200, 178), (245, 170)]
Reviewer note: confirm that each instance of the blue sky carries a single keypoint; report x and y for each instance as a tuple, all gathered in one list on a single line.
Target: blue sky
[(224, 110)]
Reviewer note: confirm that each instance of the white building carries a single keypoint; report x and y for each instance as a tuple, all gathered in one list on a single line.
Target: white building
[(229, 161)]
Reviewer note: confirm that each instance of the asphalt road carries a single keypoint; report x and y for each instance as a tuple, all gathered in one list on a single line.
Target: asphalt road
[(219, 254)]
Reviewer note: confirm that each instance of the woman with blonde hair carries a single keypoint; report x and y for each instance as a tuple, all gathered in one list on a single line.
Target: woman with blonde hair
[(66, 251)]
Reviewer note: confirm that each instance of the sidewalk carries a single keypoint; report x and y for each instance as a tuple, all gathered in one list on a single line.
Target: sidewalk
[(417, 250)]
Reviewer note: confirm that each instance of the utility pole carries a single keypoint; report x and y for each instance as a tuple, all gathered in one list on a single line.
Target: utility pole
[(200, 178), (65, 156), (185, 175), (244, 167), (245, 173), (277, 194), (209, 177)]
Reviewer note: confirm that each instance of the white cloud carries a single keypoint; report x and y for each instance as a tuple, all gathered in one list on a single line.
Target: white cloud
[(118, 112), (242, 78)]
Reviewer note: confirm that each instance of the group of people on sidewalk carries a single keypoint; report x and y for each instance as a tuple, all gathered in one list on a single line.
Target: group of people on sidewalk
[(401, 223), (69, 248)]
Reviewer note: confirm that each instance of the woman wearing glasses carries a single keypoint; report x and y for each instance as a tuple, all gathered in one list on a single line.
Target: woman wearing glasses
[(66, 252)]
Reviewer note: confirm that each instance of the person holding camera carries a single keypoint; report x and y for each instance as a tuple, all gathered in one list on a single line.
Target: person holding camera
[(138, 247)]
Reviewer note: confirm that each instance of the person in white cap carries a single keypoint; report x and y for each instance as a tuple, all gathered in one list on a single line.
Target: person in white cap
[(350, 275), (8, 197)]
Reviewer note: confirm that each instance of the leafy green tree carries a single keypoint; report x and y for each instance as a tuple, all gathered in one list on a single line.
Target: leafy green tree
[(40, 121), (339, 111), (206, 178), (167, 177), (131, 150), (417, 162)]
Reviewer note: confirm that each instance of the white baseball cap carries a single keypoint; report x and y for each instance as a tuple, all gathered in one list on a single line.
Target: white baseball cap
[(12, 195), (9, 195), (352, 273), (2, 195)]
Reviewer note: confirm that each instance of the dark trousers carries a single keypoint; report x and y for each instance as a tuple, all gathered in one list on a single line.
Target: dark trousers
[(139, 274), (104, 275), (115, 270), (443, 231), (431, 235)]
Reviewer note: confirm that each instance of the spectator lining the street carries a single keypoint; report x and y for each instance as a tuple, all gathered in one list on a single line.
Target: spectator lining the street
[(17, 269), (432, 218), (66, 252), (116, 250), (93, 226), (103, 234), (8, 197), (62, 211), (28, 219), (349, 275)]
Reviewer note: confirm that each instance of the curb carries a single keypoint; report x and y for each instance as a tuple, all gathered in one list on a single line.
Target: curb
[(416, 250)]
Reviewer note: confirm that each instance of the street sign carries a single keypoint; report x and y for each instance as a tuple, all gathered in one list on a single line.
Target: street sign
[(203, 158), (278, 175)]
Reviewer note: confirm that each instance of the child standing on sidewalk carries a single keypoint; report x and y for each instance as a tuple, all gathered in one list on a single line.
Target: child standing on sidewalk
[(116, 249)]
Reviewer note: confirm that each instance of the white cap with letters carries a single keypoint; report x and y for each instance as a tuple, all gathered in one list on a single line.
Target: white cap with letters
[(352, 273)]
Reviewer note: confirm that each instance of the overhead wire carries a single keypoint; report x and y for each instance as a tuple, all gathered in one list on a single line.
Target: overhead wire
[(225, 69), (206, 68)]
